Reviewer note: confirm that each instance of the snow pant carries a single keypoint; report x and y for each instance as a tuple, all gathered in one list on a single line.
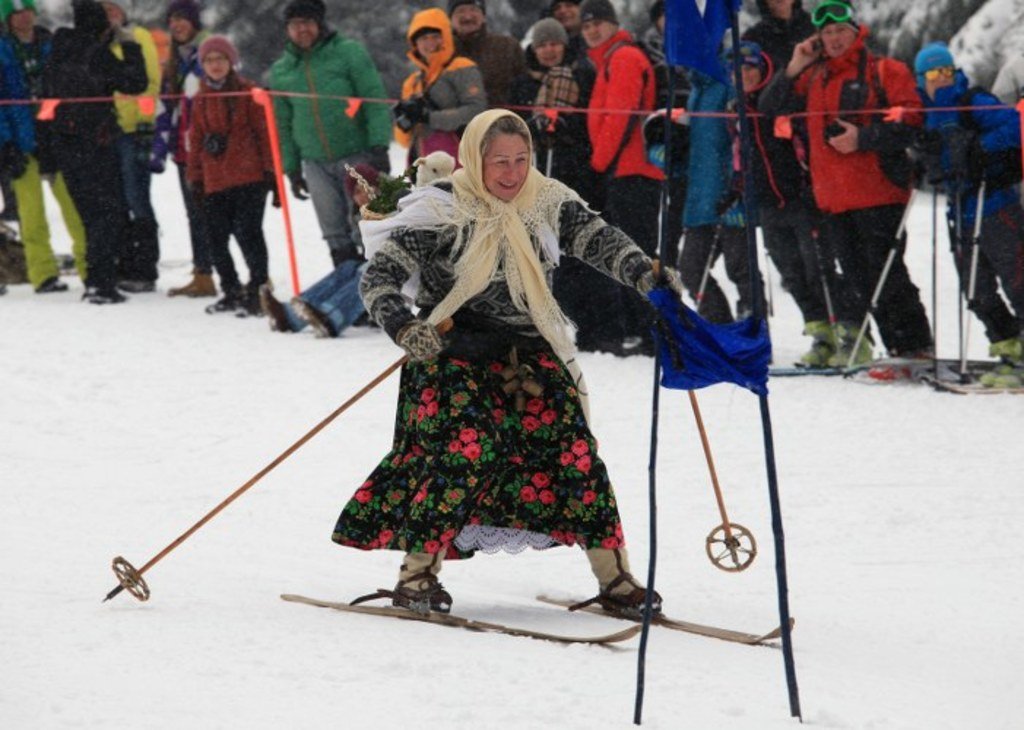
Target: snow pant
[(801, 256), (237, 211), (336, 297), (704, 243), (35, 231), (202, 262), (1000, 260), (326, 182), (139, 258), (95, 186), (862, 240)]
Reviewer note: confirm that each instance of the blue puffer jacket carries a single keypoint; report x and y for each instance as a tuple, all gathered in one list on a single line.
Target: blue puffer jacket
[(16, 120), (998, 131), (710, 168)]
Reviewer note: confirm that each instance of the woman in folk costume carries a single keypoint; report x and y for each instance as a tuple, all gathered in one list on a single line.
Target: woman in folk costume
[(491, 449), (443, 93)]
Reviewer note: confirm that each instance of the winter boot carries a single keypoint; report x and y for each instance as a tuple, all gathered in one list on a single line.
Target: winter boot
[(1010, 351), (273, 310), (847, 337), (94, 295), (201, 286), (51, 285), (620, 593), (232, 301), (822, 348), (320, 324), (418, 588)]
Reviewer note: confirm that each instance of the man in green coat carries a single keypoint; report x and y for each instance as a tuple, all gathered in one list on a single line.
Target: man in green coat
[(318, 136)]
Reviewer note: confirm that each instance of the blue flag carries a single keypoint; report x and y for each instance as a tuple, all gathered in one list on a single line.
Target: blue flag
[(696, 353), (692, 36)]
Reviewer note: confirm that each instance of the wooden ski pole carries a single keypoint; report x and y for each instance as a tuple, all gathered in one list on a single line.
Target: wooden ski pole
[(130, 578), (732, 534)]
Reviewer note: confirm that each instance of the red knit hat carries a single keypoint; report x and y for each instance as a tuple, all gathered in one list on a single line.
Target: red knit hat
[(219, 44)]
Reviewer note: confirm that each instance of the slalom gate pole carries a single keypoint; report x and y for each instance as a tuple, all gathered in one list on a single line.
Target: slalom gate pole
[(935, 282), (882, 278), (972, 280), (652, 463), (263, 98), (132, 576), (766, 423)]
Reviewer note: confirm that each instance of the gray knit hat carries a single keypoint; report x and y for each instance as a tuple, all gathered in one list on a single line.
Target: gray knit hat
[(598, 10), (548, 30)]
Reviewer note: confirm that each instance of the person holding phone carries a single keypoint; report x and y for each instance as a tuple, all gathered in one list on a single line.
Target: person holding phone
[(860, 171)]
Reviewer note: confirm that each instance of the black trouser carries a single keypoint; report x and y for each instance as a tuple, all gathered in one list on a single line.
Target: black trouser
[(197, 226), (698, 246), (862, 240), (237, 211), (792, 239), (1000, 254), (94, 183)]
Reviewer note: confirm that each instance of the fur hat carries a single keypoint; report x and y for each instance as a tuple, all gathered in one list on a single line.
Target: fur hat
[(89, 17), (452, 4), (10, 7), (219, 44), (309, 9), (187, 9), (548, 30), (598, 10)]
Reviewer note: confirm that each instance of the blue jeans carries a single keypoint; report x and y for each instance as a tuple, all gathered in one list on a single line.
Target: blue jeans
[(336, 296), (135, 176)]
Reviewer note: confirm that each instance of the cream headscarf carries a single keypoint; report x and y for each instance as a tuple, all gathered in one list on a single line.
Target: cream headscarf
[(501, 237)]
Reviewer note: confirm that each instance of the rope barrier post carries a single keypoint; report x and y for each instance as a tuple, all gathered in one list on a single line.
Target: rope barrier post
[(263, 98)]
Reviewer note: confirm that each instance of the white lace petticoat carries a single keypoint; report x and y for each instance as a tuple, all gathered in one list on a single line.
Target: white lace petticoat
[(496, 539)]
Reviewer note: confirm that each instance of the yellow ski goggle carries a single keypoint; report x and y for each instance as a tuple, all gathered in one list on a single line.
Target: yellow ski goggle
[(942, 72)]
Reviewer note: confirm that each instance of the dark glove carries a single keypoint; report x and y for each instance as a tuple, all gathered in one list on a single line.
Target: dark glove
[(966, 157), (410, 112), (726, 201), (12, 160), (926, 152), (299, 188), (143, 140), (540, 125), (420, 339), (379, 159), (270, 180)]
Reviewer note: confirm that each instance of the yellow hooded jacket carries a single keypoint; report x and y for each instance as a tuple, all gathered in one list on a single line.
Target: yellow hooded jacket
[(453, 84)]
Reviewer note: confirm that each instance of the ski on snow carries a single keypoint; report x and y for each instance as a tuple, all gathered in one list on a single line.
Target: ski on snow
[(714, 632), (447, 619)]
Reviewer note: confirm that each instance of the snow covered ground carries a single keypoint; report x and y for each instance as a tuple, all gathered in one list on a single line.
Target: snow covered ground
[(121, 426)]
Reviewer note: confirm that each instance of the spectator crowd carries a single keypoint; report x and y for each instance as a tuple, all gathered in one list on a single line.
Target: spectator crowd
[(832, 176)]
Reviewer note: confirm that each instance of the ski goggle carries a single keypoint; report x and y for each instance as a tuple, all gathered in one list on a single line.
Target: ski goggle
[(942, 72), (832, 11)]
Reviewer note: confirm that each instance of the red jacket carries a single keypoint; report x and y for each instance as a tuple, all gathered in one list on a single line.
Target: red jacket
[(853, 181), (625, 80), (247, 158)]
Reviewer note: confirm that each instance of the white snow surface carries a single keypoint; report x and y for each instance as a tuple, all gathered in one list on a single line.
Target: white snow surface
[(123, 425)]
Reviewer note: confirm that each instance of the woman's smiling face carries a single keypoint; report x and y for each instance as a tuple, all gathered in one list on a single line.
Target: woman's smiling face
[(506, 165)]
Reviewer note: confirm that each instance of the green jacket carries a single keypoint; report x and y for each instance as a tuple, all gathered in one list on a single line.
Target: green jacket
[(319, 128)]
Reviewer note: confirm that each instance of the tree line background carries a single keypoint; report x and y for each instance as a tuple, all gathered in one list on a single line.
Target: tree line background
[(982, 33)]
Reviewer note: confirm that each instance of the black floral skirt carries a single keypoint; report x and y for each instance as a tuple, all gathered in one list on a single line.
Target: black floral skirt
[(482, 448)]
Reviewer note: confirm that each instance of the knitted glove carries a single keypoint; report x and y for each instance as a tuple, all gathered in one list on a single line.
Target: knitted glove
[(420, 339), (660, 276)]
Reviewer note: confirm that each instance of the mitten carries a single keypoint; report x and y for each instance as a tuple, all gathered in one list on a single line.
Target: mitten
[(420, 339)]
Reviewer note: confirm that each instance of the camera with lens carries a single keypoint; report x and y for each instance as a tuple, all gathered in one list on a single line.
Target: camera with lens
[(215, 144), (410, 112)]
